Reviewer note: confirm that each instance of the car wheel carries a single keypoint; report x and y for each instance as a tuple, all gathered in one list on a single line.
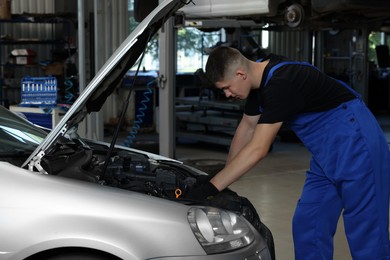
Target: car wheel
[(75, 255), (209, 166), (150, 146)]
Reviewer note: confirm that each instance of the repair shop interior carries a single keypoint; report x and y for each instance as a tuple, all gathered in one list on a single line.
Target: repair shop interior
[(109, 123)]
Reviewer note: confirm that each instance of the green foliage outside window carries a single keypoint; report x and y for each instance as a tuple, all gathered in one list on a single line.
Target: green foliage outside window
[(375, 39)]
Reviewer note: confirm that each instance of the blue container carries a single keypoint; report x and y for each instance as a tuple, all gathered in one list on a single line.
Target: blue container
[(44, 120), (39, 91)]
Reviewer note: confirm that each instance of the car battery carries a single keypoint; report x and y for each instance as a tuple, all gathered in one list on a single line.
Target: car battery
[(39, 91)]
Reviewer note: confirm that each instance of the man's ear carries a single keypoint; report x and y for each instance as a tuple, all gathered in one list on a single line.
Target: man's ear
[(241, 73)]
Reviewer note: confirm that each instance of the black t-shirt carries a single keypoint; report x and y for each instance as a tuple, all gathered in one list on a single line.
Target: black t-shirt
[(294, 89)]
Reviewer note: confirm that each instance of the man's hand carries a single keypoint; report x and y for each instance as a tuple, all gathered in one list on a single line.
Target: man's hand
[(202, 192)]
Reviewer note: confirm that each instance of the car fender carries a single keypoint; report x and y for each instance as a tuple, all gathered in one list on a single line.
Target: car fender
[(90, 214)]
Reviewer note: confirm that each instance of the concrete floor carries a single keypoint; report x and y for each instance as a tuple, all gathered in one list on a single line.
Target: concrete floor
[(274, 186)]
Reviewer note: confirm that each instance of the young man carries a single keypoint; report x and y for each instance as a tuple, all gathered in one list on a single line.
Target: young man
[(350, 165)]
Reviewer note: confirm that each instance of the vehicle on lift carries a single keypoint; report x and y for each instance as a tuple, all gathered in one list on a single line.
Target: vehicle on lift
[(64, 197), (312, 14)]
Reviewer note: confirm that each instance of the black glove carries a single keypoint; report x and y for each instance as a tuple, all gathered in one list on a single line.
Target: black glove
[(202, 179), (202, 192)]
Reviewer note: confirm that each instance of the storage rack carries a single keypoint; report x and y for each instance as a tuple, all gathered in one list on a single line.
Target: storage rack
[(206, 120), (30, 69)]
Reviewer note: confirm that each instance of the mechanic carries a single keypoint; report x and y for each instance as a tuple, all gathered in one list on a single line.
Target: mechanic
[(350, 165)]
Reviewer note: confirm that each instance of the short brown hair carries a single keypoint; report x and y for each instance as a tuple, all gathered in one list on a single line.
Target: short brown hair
[(220, 62)]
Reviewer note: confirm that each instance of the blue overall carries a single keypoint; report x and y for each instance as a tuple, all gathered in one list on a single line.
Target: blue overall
[(349, 172)]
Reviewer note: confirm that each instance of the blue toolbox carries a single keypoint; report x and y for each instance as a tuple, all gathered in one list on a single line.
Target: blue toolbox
[(39, 91)]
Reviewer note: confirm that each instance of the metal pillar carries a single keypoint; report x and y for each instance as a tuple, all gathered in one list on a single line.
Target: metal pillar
[(92, 127), (319, 49), (81, 47), (95, 121), (167, 84), (82, 131), (360, 64)]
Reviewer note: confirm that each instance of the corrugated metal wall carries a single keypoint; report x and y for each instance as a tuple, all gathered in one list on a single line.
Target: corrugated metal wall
[(33, 6), (296, 45), (41, 33), (112, 28), (113, 21)]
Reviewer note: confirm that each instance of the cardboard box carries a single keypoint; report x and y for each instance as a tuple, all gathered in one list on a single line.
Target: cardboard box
[(5, 9), (54, 69), (23, 60), (22, 56)]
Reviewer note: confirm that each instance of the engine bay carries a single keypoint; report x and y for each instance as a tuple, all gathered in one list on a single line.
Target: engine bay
[(126, 170)]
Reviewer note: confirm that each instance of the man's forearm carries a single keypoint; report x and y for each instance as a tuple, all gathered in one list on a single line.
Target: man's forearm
[(242, 136), (238, 166), (254, 151), (238, 142)]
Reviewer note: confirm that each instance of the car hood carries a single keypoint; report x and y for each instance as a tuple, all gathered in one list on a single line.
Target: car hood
[(109, 76)]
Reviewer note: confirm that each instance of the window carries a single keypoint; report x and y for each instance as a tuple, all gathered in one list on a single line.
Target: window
[(375, 39)]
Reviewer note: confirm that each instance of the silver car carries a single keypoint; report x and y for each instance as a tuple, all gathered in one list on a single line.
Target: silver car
[(64, 197)]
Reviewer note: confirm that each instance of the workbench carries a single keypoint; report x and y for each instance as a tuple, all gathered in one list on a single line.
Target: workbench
[(47, 117)]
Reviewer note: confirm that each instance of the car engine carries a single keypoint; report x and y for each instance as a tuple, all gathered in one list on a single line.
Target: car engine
[(126, 170)]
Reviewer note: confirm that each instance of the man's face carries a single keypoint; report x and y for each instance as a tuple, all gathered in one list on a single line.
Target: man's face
[(235, 87)]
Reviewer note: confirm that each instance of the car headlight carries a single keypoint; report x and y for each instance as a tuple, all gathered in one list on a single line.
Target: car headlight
[(219, 230)]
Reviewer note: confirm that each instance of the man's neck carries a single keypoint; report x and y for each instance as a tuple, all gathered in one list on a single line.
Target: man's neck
[(258, 71)]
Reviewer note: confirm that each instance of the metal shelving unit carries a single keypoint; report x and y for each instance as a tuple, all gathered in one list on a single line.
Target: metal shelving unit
[(13, 37), (206, 120)]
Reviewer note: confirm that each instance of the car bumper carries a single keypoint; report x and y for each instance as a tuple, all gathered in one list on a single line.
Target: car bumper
[(258, 250)]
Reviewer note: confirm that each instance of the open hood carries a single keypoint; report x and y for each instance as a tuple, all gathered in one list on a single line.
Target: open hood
[(107, 78)]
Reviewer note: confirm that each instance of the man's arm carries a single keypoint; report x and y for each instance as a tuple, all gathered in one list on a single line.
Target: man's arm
[(253, 151), (243, 135)]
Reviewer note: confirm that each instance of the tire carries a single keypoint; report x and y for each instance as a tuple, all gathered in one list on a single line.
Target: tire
[(78, 257), (209, 166), (70, 254), (150, 146)]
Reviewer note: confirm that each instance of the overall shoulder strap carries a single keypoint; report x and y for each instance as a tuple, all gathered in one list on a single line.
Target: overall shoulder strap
[(277, 66), (272, 70)]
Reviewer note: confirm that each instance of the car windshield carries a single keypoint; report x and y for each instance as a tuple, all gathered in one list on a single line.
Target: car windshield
[(18, 135)]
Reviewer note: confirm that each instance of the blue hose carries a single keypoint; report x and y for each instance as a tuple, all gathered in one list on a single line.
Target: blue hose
[(140, 115), (68, 93)]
